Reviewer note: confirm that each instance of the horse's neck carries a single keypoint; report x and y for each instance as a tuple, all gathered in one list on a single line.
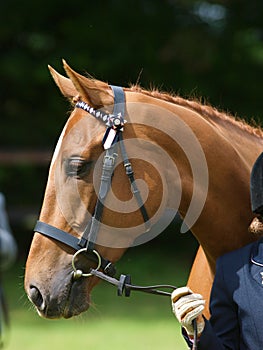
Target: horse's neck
[(230, 152), (242, 139)]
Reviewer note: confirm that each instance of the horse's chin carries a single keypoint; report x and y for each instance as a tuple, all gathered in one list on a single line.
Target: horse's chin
[(256, 227)]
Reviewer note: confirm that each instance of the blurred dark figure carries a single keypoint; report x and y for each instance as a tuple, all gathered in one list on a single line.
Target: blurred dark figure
[(8, 247), (8, 252)]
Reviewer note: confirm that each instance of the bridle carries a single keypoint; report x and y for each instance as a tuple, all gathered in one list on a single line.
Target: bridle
[(115, 124), (85, 244)]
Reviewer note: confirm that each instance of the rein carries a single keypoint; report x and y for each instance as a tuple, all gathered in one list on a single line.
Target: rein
[(124, 285)]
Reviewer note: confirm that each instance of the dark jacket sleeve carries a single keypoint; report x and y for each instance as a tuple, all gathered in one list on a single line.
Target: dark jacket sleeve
[(221, 332)]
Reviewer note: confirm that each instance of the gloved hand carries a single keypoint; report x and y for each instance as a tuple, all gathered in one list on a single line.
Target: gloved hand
[(188, 306)]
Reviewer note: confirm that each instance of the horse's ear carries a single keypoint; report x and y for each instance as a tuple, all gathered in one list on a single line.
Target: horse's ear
[(95, 92), (64, 84)]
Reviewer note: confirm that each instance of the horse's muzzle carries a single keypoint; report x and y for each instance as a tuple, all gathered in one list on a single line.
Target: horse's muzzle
[(64, 299)]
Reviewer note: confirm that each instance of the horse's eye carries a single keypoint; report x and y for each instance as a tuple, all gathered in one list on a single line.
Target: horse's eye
[(77, 167)]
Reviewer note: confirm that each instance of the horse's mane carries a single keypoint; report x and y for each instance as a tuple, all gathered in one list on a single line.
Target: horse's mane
[(205, 110)]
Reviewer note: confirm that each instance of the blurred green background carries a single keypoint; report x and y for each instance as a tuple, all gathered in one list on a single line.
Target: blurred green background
[(209, 49), (140, 322)]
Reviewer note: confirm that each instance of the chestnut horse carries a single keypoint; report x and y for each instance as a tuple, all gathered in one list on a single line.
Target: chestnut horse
[(185, 156)]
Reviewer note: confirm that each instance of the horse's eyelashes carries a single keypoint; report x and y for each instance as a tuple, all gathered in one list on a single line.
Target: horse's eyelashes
[(77, 167)]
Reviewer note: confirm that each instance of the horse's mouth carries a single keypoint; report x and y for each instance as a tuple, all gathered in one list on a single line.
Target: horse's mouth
[(78, 300), (66, 302)]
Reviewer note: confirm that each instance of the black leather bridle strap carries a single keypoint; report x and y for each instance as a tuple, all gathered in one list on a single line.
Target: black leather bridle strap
[(72, 241), (57, 234), (119, 100), (89, 236), (134, 187), (119, 107)]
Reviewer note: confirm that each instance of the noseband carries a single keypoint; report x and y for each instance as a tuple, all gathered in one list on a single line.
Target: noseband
[(115, 124)]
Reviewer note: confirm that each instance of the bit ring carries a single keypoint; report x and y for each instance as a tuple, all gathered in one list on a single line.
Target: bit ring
[(77, 273)]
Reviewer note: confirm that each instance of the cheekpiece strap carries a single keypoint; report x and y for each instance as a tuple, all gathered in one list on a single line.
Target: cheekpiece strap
[(119, 100), (115, 123)]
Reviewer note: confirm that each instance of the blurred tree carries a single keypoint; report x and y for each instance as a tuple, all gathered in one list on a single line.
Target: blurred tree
[(207, 48), (211, 48)]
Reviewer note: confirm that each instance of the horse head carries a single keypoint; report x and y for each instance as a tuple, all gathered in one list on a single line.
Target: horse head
[(71, 195)]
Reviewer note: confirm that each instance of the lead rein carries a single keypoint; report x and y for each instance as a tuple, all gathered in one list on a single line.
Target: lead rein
[(124, 285)]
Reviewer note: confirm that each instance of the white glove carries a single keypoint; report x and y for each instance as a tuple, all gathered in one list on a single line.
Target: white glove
[(188, 306)]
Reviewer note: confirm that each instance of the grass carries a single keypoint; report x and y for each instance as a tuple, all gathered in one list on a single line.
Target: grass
[(139, 322)]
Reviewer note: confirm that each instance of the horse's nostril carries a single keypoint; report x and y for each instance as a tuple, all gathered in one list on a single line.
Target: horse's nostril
[(36, 297)]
